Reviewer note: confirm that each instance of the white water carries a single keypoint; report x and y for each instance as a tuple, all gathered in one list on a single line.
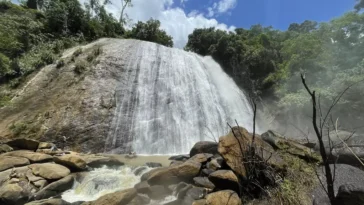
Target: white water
[(103, 181), (169, 99)]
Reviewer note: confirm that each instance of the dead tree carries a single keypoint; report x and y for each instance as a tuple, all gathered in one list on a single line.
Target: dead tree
[(325, 159)]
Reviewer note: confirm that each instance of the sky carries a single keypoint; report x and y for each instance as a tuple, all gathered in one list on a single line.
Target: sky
[(180, 17)]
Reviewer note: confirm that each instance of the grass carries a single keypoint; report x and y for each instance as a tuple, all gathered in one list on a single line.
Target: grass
[(96, 51)]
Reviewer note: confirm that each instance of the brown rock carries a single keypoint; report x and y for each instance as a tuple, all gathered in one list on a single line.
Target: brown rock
[(55, 188), (5, 148), (49, 171), (71, 161), (46, 145), (223, 197), (184, 172), (142, 187), (203, 182), (33, 157), (48, 202), (117, 198), (7, 162), (230, 150), (199, 202), (24, 143), (12, 194), (99, 161), (201, 158), (224, 179)]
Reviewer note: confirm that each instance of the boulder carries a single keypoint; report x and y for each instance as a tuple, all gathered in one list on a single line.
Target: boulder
[(146, 175), (142, 187), (73, 162), (46, 145), (12, 194), (34, 157), (153, 164), (139, 170), (188, 196), (49, 171), (7, 162), (36, 180), (290, 146), (204, 147), (24, 143), (55, 188), (158, 192), (18, 172), (203, 182), (182, 157), (49, 202), (199, 202), (175, 163), (184, 172), (350, 194), (5, 148), (207, 172), (213, 165), (223, 197), (140, 200), (224, 179), (229, 148), (201, 158), (100, 161), (116, 198)]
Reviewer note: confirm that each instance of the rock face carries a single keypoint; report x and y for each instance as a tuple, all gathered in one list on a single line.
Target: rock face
[(223, 197), (7, 162), (49, 171), (117, 198), (204, 147), (349, 194), (71, 161), (230, 149)]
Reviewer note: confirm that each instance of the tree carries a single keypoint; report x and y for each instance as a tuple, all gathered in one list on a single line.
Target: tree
[(359, 5), (150, 31), (124, 16)]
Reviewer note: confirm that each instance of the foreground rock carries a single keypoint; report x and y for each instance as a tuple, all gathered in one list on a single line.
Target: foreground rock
[(55, 188), (204, 147), (7, 162), (49, 171), (33, 157), (71, 161), (230, 150), (12, 194), (223, 197), (96, 161), (117, 198), (5, 148), (50, 202), (24, 143), (225, 179), (349, 194)]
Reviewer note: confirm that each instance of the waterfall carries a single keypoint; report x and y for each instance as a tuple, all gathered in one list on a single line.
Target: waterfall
[(168, 99)]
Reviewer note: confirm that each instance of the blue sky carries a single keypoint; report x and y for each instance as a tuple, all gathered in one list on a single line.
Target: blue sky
[(277, 13)]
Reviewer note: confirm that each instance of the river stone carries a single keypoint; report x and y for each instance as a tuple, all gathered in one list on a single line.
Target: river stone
[(223, 197), (46, 145), (7, 162), (34, 157), (140, 200), (18, 172), (184, 172), (203, 182), (230, 150), (49, 171), (204, 147), (139, 170), (201, 158), (153, 164), (12, 194), (100, 161), (48, 202), (350, 194), (225, 179), (5, 148), (55, 188), (116, 198), (199, 202), (24, 143), (213, 165), (142, 187), (158, 192), (146, 175), (71, 161), (175, 163), (182, 157)]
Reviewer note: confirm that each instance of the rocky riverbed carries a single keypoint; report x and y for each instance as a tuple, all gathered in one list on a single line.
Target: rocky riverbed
[(37, 173)]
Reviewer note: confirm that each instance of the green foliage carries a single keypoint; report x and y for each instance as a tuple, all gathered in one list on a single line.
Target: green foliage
[(80, 67), (60, 63), (78, 52), (4, 99), (150, 31), (96, 51), (18, 128)]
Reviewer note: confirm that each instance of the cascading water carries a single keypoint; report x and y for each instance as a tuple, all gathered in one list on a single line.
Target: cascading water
[(169, 99)]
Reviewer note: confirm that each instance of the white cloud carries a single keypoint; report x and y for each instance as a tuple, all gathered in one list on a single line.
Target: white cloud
[(223, 6), (174, 21)]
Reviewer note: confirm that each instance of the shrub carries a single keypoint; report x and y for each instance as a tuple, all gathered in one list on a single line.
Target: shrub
[(4, 100), (80, 67), (4, 65), (60, 63), (95, 52), (77, 52), (18, 128)]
